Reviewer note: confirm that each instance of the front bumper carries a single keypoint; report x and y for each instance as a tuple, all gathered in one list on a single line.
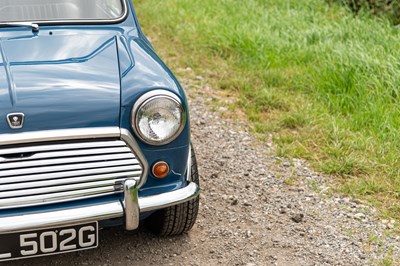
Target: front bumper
[(129, 209)]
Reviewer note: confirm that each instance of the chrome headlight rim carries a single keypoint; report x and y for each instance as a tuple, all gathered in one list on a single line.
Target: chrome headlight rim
[(146, 98)]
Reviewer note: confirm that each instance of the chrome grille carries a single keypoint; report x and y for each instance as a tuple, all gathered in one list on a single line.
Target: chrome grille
[(43, 173)]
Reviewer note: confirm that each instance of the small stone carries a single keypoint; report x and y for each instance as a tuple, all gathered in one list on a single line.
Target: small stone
[(247, 204), (286, 164), (349, 215), (248, 233), (356, 201), (214, 176), (296, 189), (359, 216), (297, 218)]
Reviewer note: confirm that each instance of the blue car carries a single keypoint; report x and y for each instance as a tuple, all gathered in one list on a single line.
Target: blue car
[(94, 129)]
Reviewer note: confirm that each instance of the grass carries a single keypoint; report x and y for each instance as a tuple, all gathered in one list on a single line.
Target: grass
[(326, 84), (384, 8)]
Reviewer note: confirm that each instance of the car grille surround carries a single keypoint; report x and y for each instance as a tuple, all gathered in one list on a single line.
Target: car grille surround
[(40, 173)]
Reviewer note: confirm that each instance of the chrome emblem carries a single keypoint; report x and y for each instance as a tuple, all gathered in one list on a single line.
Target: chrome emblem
[(15, 120)]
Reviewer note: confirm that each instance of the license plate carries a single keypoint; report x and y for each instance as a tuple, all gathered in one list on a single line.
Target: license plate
[(48, 241)]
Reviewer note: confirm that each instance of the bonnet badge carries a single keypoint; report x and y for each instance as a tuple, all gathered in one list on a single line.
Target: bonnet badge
[(15, 120)]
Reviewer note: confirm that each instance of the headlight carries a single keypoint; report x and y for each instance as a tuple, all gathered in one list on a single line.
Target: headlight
[(158, 117)]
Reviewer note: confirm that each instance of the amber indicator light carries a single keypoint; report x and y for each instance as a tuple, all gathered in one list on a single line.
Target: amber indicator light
[(160, 169)]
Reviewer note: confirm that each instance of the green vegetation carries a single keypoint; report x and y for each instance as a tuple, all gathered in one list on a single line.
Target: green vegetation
[(325, 83), (384, 8)]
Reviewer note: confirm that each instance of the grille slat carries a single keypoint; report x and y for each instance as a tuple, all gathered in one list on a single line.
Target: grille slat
[(63, 154), (36, 174), (60, 175), (56, 197), (65, 181), (65, 161), (61, 147), (67, 167), (56, 189)]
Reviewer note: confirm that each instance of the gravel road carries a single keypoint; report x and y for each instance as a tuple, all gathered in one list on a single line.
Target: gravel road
[(249, 214)]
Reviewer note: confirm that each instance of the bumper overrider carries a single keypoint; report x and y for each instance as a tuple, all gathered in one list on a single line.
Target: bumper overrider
[(128, 208)]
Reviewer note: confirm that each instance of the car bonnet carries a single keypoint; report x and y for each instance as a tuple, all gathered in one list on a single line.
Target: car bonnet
[(60, 81)]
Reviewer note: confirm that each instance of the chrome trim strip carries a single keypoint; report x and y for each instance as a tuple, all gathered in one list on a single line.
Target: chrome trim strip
[(33, 26), (189, 165), (74, 189), (160, 201), (37, 200), (80, 166), (65, 175), (76, 21), (68, 153), (66, 181), (37, 221), (69, 160), (127, 137), (63, 134), (63, 147), (34, 221), (131, 205)]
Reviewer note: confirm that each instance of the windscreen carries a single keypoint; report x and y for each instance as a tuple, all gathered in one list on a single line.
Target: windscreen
[(59, 10)]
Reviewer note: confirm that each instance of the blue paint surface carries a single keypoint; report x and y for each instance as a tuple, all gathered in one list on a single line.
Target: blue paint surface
[(80, 76)]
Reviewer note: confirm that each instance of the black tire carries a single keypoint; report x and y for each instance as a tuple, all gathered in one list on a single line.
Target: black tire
[(178, 219)]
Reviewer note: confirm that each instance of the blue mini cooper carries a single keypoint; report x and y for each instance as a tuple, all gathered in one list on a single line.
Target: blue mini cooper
[(94, 129)]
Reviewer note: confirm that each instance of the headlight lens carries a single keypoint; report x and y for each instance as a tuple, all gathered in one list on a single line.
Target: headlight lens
[(159, 119)]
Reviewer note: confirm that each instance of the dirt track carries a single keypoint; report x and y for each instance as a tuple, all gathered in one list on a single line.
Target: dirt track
[(248, 214)]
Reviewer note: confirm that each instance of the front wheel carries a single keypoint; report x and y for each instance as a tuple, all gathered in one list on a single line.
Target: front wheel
[(178, 219)]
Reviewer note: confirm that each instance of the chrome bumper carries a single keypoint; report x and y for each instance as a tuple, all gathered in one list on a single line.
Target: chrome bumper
[(129, 208)]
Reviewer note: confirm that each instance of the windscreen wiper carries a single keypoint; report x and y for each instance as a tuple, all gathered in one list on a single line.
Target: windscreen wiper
[(35, 27)]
